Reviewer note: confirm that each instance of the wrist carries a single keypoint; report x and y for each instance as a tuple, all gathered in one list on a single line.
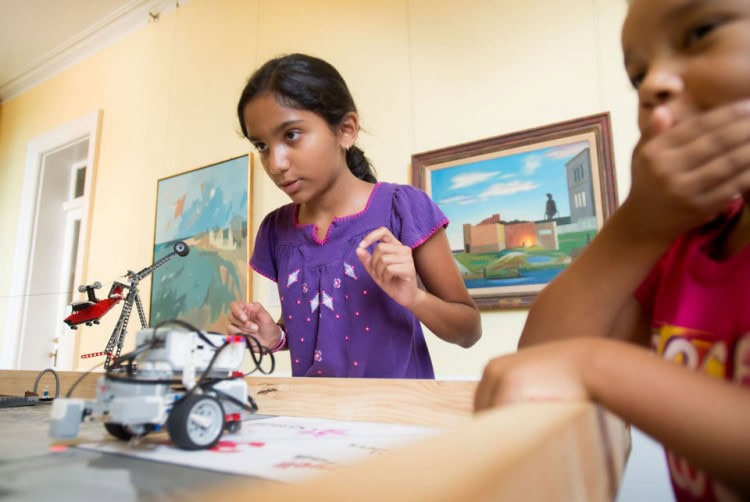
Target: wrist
[(587, 361), (596, 366), (641, 228), (418, 300), (282, 339)]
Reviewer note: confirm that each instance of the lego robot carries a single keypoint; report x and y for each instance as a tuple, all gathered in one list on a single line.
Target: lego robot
[(187, 381)]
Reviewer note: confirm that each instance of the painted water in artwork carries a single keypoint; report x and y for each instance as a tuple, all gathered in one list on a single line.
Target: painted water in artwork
[(207, 209)]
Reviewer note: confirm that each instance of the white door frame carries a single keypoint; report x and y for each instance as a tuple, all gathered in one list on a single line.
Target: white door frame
[(84, 127)]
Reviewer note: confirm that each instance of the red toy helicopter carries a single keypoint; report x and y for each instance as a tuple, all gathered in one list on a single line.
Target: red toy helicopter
[(91, 311)]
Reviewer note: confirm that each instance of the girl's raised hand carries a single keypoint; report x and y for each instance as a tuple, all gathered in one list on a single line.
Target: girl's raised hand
[(391, 266), (253, 319), (685, 173)]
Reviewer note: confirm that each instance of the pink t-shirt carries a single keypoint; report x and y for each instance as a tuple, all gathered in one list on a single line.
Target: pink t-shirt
[(700, 311)]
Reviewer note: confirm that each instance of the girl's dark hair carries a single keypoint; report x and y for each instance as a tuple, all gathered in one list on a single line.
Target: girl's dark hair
[(308, 83)]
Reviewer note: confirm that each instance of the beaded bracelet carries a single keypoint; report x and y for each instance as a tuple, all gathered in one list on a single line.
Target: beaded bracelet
[(282, 341)]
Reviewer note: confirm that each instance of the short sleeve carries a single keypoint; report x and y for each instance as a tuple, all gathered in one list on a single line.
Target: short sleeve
[(263, 260), (415, 215)]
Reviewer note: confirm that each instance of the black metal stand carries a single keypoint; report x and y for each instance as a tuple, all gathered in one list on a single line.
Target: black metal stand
[(114, 345)]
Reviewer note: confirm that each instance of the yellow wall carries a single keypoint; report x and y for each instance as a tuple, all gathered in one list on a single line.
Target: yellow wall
[(424, 73)]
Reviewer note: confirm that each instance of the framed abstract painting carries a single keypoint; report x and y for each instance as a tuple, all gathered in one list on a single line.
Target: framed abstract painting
[(209, 208)]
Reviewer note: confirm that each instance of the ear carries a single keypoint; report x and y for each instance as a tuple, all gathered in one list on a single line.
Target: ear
[(348, 130)]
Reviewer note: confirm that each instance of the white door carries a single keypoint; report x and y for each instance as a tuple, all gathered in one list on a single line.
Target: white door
[(50, 247), (47, 341), (71, 270)]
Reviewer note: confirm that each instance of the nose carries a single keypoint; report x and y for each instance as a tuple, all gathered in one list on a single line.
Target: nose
[(659, 88), (278, 160), (661, 83)]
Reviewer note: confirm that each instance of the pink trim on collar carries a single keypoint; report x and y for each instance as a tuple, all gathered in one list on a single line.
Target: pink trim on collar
[(297, 224)]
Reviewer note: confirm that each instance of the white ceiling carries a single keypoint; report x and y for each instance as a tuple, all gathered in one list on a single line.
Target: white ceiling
[(39, 38)]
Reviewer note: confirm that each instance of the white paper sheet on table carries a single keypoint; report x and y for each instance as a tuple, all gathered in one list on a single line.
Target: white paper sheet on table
[(287, 449)]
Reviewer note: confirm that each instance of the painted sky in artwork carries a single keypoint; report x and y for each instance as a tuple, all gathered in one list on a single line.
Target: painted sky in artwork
[(514, 186), (198, 201)]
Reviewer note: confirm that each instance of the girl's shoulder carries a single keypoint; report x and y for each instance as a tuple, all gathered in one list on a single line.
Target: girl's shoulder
[(282, 213), (417, 202), (278, 221), (414, 217), (406, 196), (399, 189)]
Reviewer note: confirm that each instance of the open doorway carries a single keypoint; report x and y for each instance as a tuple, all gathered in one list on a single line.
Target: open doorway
[(51, 246)]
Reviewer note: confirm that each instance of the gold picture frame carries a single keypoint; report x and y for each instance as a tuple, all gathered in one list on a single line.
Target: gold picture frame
[(522, 205)]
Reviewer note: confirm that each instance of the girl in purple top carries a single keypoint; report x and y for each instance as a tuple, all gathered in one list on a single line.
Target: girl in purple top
[(360, 265)]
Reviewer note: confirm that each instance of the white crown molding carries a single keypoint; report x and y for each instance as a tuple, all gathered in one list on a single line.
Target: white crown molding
[(125, 20)]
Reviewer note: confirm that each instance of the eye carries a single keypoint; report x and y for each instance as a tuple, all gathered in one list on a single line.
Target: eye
[(700, 31), (293, 134), (260, 147), (636, 77)]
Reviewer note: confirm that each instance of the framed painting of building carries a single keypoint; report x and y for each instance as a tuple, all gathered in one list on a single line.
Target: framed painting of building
[(209, 208), (523, 205)]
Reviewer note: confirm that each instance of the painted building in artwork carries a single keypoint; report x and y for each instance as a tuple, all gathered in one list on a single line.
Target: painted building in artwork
[(547, 235), (580, 186), (486, 237), (520, 234), (492, 235), (229, 238)]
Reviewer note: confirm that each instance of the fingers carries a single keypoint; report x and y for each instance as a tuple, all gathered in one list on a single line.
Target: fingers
[(711, 123), (700, 138), (379, 234), (720, 155), (688, 171), (662, 119), (493, 389), (390, 265), (713, 166), (389, 260), (242, 318), (486, 389), (724, 178), (254, 320)]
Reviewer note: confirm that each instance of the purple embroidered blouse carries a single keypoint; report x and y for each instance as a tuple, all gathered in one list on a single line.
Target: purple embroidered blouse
[(339, 323)]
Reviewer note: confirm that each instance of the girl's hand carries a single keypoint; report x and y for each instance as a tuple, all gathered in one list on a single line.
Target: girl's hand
[(252, 319), (391, 266), (685, 173), (547, 372)]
